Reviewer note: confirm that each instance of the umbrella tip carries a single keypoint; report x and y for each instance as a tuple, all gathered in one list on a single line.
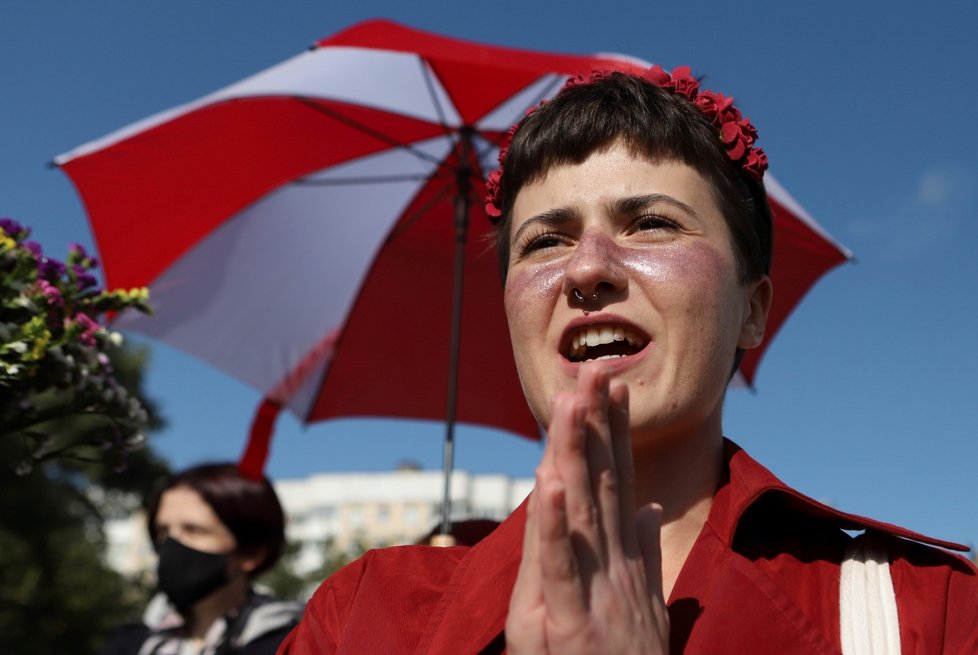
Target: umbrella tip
[(442, 540)]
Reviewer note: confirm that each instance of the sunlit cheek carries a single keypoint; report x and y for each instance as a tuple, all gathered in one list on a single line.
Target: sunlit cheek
[(531, 295), (696, 268), (704, 280), (531, 290)]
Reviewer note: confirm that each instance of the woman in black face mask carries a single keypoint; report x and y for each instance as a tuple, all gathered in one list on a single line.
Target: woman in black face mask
[(214, 530)]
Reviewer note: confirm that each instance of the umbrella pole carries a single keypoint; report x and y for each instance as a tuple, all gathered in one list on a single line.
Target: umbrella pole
[(462, 206)]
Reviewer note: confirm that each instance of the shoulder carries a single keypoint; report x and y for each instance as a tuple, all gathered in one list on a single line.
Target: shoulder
[(266, 644), (784, 530), (927, 559), (264, 623), (755, 494), (768, 514), (937, 596), (382, 568), (384, 597)]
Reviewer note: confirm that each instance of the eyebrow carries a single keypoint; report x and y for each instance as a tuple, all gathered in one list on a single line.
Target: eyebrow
[(637, 203)]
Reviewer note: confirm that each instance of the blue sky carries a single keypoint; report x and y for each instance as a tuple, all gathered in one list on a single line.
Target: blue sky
[(865, 399)]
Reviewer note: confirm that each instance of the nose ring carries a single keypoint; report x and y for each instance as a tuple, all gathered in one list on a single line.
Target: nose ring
[(579, 297)]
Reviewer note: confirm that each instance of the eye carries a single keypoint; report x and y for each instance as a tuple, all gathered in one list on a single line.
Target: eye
[(535, 242), (192, 528), (653, 221)]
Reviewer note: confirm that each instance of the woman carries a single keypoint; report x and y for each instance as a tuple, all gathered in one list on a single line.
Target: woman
[(635, 241), (214, 530)]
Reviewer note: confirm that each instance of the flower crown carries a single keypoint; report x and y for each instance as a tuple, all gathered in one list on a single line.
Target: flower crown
[(735, 130)]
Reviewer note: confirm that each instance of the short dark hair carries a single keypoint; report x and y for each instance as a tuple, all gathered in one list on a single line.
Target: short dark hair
[(655, 123), (250, 509)]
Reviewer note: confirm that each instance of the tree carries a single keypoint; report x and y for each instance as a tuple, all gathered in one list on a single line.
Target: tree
[(57, 595), (285, 582), (72, 418)]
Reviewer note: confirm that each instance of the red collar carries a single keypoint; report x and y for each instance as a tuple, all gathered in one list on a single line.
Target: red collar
[(749, 481)]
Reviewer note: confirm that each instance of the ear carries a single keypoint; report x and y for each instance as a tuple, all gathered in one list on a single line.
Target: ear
[(757, 306), (251, 558)]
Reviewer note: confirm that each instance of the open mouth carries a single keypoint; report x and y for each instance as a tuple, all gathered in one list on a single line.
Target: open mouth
[(603, 342)]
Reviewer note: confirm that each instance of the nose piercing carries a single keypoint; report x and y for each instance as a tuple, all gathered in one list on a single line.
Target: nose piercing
[(579, 297)]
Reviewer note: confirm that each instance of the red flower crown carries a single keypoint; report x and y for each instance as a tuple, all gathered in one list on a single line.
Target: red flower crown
[(735, 130)]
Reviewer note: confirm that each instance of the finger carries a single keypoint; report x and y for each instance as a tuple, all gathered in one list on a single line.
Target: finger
[(621, 447), (527, 587), (569, 438), (648, 524), (649, 527), (593, 388), (564, 588), (524, 624), (560, 566), (528, 590)]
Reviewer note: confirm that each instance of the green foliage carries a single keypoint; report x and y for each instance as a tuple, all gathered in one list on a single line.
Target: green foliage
[(282, 580), (285, 582), (56, 595), (55, 355)]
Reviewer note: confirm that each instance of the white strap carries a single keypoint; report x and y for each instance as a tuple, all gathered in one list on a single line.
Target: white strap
[(867, 602)]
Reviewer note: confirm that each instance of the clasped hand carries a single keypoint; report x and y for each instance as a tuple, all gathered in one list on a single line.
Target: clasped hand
[(590, 580)]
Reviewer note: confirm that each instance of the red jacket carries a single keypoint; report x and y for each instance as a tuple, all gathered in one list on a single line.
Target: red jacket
[(762, 577)]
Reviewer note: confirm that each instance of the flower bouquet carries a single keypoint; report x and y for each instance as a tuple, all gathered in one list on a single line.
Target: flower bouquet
[(54, 355)]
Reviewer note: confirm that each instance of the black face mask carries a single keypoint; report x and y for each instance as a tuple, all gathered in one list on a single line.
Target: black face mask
[(186, 575)]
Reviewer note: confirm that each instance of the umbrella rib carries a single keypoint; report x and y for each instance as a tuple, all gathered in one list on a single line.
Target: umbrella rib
[(428, 77), (380, 136), (542, 95)]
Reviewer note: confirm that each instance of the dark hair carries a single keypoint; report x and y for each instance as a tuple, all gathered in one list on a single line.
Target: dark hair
[(655, 123), (249, 508)]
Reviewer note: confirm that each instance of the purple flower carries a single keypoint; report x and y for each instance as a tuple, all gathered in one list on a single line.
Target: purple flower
[(13, 228), (34, 247), (83, 279), (81, 255), (50, 269), (89, 326), (50, 292)]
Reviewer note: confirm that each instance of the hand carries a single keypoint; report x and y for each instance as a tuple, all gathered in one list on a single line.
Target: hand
[(590, 580)]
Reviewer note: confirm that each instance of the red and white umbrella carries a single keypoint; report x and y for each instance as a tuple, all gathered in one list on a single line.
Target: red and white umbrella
[(298, 229)]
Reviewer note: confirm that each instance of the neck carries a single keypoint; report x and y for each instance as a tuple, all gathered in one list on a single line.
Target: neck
[(682, 475), (210, 608)]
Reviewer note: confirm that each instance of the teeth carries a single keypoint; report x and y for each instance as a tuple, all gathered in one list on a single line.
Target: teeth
[(597, 336)]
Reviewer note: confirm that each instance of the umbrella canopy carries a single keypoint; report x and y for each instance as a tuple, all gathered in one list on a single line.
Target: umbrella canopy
[(299, 229)]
